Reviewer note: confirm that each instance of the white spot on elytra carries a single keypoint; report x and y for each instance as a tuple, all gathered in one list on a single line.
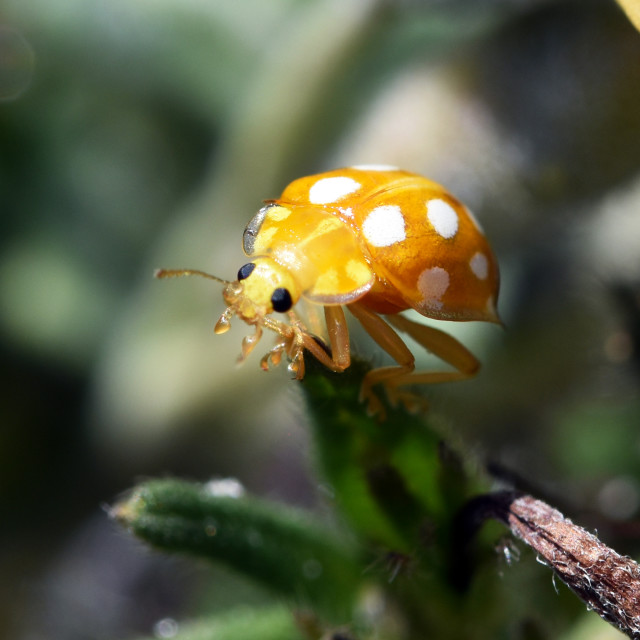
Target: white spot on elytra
[(479, 265), (375, 167), (443, 217), (328, 190), (432, 284), (384, 226), (347, 212)]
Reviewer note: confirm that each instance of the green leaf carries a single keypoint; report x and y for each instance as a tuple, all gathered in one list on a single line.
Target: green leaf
[(394, 479), (281, 548)]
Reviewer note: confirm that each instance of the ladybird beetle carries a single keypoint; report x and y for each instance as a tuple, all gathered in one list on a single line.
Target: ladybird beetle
[(376, 240)]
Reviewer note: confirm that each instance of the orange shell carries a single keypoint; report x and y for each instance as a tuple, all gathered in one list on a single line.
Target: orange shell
[(424, 247)]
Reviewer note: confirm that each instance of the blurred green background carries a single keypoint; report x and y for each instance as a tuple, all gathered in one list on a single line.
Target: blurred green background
[(141, 134)]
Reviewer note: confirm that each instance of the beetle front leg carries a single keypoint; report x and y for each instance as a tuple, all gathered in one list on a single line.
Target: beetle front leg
[(249, 343), (295, 339), (274, 355)]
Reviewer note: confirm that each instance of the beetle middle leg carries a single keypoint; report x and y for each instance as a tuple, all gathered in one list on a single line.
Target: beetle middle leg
[(339, 357)]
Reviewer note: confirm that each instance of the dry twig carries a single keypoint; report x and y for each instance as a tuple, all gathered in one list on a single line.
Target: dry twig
[(606, 581)]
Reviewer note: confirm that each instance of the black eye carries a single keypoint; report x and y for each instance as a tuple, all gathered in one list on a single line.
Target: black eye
[(245, 270), (281, 300)]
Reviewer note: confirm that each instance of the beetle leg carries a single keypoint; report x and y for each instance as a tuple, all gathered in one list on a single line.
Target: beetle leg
[(442, 345), (274, 355), (289, 342), (340, 357), (338, 331), (310, 344), (249, 343), (393, 344), (437, 342), (295, 338), (296, 357)]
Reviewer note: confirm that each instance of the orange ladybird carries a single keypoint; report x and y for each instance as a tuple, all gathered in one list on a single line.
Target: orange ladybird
[(376, 240)]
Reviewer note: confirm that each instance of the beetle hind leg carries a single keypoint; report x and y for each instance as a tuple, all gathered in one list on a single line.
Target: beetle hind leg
[(393, 344), (441, 344)]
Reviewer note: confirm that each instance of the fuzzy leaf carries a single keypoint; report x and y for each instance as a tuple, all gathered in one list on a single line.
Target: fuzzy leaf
[(282, 548), (394, 479)]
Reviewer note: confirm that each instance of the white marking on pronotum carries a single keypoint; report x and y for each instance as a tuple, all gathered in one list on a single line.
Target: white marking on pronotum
[(432, 284), (384, 226), (443, 218), (329, 190), (479, 265), (375, 167)]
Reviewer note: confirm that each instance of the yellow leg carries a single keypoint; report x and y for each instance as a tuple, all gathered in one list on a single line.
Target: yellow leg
[(437, 342), (338, 331), (393, 344), (338, 336), (295, 339), (442, 345)]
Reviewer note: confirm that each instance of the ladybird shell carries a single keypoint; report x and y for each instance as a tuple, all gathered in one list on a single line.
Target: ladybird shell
[(425, 248)]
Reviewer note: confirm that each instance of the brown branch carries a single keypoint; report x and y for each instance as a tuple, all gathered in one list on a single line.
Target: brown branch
[(606, 581)]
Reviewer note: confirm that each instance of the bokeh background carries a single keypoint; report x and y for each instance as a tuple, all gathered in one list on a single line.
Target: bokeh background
[(141, 134)]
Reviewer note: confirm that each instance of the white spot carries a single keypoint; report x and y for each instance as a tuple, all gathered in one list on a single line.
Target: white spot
[(384, 226), (479, 265), (432, 284), (375, 167), (443, 218), (329, 190)]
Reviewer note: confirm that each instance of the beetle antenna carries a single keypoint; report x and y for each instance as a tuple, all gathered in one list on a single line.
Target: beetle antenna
[(177, 273)]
